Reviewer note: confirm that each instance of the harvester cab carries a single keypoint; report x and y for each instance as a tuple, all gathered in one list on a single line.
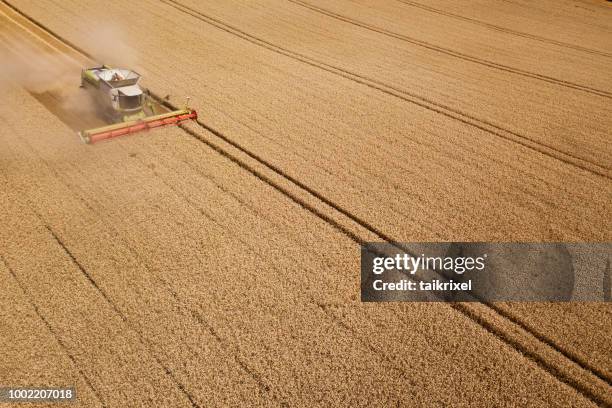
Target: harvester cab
[(122, 102)]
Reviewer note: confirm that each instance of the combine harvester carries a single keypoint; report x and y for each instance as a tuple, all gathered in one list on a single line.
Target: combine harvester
[(122, 102)]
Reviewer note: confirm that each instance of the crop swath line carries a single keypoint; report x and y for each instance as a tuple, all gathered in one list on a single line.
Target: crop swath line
[(404, 95), (453, 53), (541, 361), (53, 332), (505, 30), (112, 304)]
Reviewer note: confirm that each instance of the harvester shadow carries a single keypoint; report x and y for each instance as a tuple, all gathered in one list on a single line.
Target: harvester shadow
[(70, 109)]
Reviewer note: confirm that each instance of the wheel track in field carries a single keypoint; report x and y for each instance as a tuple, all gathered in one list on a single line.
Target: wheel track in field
[(505, 30), (401, 94), (453, 53), (506, 335)]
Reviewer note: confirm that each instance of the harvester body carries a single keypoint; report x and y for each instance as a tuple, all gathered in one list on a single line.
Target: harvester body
[(123, 103), (116, 93)]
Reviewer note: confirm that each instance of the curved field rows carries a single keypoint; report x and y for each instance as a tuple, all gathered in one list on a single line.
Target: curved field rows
[(230, 288), (263, 328), (534, 198)]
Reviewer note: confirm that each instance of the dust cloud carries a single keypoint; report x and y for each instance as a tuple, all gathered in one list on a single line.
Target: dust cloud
[(36, 69), (42, 70), (107, 45)]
